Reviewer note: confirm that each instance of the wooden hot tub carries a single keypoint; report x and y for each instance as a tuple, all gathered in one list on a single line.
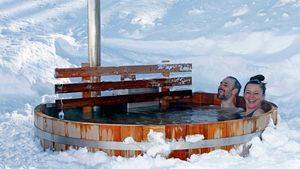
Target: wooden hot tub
[(58, 134)]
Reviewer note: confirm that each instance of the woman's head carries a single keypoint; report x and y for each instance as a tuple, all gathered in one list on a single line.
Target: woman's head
[(254, 92)]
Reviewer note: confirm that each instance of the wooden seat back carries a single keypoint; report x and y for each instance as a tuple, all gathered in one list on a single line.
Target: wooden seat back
[(125, 72)]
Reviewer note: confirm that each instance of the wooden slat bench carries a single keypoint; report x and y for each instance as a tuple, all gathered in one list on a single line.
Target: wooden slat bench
[(124, 72)]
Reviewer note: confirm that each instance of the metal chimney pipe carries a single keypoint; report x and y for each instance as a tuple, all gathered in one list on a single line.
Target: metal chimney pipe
[(94, 32)]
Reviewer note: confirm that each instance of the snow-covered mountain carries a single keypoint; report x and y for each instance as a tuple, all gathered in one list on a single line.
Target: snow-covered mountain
[(232, 37)]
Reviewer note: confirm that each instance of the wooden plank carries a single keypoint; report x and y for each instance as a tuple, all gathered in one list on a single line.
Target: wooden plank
[(249, 127), (87, 111), (110, 133), (262, 121), (250, 124), (73, 130), (155, 128), (234, 128), (84, 79), (121, 70), (39, 123), (217, 101), (193, 129), (175, 133), (197, 98), (90, 132), (208, 99), (274, 116), (216, 131), (102, 86), (43, 123), (59, 128), (48, 128), (204, 99), (166, 88), (136, 132), (114, 100)]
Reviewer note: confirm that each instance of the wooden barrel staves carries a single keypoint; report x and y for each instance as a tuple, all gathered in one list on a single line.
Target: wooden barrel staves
[(57, 134)]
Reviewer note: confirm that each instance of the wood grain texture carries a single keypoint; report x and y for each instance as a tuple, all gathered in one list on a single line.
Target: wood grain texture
[(110, 133), (103, 86), (136, 132), (121, 70), (175, 133), (59, 128), (121, 99), (201, 129)]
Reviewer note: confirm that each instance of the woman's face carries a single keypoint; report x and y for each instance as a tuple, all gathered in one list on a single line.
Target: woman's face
[(253, 96)]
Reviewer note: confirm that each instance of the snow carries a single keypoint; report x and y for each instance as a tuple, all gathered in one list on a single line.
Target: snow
[(194, 138), (252, 36), (240, 11), (129, 140), (237, 21), (159, 146)]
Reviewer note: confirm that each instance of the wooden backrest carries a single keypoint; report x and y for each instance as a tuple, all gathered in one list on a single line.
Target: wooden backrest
[(124, 72), (121, 70), (102, 86)]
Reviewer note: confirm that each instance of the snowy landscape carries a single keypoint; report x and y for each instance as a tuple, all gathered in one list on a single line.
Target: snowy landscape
[(220, 38)]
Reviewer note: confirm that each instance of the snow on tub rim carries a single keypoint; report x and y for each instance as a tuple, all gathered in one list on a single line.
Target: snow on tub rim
[(170, 140)]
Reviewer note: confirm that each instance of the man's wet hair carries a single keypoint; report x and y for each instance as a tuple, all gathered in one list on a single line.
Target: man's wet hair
[(257, 79), (237, 84)]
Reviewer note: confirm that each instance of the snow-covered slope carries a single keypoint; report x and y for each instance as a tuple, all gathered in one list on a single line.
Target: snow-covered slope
[(251, 36)]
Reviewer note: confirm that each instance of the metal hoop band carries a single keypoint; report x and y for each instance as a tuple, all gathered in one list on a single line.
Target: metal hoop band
[(144, 146)]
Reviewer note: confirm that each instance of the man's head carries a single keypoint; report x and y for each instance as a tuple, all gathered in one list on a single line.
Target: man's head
[(228, 87)]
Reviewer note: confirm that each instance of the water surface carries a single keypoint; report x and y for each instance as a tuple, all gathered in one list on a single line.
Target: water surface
[(178, 114)]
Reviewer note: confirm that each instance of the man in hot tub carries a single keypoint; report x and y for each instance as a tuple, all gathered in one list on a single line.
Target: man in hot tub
[(228, 91)]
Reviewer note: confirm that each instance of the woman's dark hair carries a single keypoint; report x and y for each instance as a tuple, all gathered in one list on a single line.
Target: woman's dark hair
[(258, 79)]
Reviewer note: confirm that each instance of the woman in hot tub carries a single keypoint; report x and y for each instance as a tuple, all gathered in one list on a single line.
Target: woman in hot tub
[(254, 95)]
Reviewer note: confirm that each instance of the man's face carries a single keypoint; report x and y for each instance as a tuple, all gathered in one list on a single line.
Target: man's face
[(225, 88)]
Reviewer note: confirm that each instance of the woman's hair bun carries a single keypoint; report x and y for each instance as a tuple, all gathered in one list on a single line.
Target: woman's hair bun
[(258, 77)]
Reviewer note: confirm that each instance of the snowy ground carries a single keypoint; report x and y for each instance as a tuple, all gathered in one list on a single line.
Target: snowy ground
[(252, 36)]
